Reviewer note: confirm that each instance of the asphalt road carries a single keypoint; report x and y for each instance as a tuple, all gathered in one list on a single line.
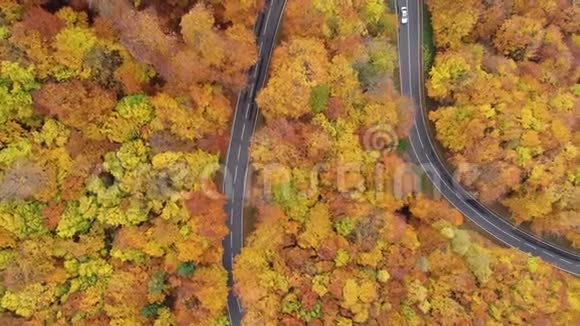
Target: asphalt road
[(426, 152), (237, 157)]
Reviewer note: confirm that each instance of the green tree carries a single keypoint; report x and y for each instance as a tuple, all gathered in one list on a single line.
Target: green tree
[(344, 226), (319, 98), (16, 83)]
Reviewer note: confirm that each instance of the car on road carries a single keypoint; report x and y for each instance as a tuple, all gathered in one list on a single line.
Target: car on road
[(404, 15)]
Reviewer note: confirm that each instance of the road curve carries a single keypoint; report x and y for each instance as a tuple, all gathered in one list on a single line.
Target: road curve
[(426, 152), (237, 157)]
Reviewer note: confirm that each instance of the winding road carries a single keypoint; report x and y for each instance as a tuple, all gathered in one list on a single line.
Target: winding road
[(426, 152), (237, 157)]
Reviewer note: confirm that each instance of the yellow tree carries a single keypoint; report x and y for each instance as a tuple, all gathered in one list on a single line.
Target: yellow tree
[(198, 33), (519, 37), (453, 21), (300, 65), (450, 73)]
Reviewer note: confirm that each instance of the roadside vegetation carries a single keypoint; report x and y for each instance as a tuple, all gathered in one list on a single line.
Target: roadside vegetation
[(428, 43), (343, 238), (506, 79)]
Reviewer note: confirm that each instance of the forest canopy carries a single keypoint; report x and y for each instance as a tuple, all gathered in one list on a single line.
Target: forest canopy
[(516, 142), (114, 118), (109, 145)]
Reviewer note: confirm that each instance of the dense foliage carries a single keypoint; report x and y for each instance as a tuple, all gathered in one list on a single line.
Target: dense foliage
[(108, 210), (114, 115), (506, 78), (343, 237), (356, 264)]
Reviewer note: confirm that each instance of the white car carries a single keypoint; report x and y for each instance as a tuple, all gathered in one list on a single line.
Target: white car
[(404, 15)]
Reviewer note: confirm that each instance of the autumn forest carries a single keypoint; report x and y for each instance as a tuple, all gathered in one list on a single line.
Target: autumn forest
[(115, 120)]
